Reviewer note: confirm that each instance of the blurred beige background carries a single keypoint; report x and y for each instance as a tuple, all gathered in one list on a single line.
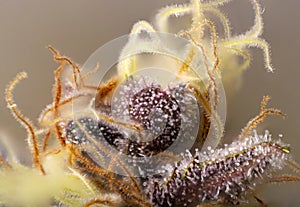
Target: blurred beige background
[(77, 28)]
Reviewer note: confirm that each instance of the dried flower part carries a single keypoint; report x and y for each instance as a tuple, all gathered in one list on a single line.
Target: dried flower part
[(146, 122), (226, 174), (140, 107), (154, 113)]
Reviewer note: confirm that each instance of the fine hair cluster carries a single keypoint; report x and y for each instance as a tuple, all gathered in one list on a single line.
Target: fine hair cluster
[(143, 140)]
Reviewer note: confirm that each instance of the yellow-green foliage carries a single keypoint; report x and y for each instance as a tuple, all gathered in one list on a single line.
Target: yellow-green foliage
[(25, 186)]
